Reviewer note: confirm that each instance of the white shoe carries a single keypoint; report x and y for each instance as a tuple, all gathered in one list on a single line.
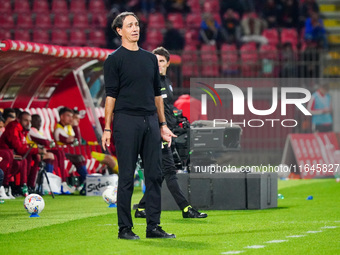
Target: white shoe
[(65, 189), (9, 193), (3, 194)]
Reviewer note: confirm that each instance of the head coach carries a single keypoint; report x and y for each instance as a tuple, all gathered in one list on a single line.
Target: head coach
[(134, 103)]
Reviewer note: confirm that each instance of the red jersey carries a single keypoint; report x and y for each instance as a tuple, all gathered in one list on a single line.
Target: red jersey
[(14, 138)]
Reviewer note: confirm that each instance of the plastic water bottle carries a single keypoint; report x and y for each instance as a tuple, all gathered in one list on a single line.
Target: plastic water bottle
[(2, 201), (280, 196), (25, 190)]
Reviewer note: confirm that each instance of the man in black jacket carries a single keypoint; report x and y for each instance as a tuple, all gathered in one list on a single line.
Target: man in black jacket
[(169, 168)]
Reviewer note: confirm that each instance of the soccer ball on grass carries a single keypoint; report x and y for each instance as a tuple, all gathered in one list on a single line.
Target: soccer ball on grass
[(110, 195), (34, 204)]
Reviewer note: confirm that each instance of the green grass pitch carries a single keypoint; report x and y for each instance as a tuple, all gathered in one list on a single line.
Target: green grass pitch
[(85, 225)]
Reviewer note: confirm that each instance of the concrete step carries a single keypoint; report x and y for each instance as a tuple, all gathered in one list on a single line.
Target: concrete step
[(327, 2), (334, 38), (330, 15), (329, 7), (331, 23)]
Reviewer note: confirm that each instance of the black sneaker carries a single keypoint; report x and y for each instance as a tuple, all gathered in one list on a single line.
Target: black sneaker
[(193, 213), (31, 190), (126, 233), (158, 232), (140, 214)]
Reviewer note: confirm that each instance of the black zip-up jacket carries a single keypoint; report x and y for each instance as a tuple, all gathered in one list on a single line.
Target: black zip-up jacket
[(168, 98)]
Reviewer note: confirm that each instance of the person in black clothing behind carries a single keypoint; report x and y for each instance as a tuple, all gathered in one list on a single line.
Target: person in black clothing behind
[(133, 98), (173, 40), (169, 168)]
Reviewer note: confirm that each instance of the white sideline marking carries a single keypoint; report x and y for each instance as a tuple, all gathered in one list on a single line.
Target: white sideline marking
[(329, 227), (232, 252), (277, 241), (255, 246), (313, 232), (296, 236)]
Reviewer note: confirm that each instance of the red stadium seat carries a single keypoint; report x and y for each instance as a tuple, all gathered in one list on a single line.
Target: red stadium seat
[(78, 37), (59, 6), (40, 6), (250, 60), (269, 57), (99, 20), (289, 35), (177, 20), (195, 6), (209, 61), (24, 21), (59, 37), (97, 6), (61, 20), (80, 20), (5, 34), (248, 47), (211, 6), (272, 36), (268, 51), (193, 20), (6, 21), (5, 6), (230, 60), (154, 37), (41, 36), (208, 48), (43, 21), (22, 35), (156, 21), (190, 62), (97, 38), (21, 6), (78, 6), (191, 37)]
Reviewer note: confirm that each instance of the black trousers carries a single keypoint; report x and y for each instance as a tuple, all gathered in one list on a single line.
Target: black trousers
[(1, 177), (169, 174), (138, 135), (324, 128)]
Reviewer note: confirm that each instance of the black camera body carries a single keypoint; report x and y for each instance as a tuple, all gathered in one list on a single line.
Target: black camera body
[(207, 136)]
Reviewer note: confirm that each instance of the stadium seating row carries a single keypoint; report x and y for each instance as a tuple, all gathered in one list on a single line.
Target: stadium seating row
[(207, 6), (288, 35), (94, 38), (42, 6), (53, 20), (208, 63)]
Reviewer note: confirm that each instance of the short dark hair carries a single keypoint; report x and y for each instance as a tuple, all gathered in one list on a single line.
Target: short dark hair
[(17, 112), (8, 113), (118, 21), (162, 52), (22, 114), (35, 117), (75, 110), (63, 110)]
